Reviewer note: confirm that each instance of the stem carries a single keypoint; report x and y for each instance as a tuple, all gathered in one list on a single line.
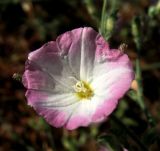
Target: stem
[(129, 132), (139, 81), (137, 38), (102, 30), (140, 89)]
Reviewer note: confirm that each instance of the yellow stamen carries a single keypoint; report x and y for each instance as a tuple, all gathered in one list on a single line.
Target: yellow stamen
[(83, 90)]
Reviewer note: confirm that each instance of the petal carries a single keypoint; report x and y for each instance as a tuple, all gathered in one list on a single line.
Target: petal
[(82, 116), (90, 111), (111, 81), (47, 58), (103, 83), (108, 65), (47, 78), (103, 52), (46, 69), (104, 109), (101, 46), (64, 42), (56, 109), (76, 122), (81, 54), (35, 78), (79, 117)]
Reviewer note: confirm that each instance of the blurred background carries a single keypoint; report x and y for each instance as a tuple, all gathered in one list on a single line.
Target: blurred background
[(26, 25)]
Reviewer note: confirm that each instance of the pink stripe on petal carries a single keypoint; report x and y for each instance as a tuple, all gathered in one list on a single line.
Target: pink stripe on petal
[(103, 52), (34, 96), (36, 79), (55, 108), (47, 59), (64, 42), (121, 86), (104, 110), (101, 46), (77, 121), (48, 48), (53, 117), (59, 120), (113, 54)]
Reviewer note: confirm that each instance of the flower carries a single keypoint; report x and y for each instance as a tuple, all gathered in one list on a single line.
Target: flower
[(77, 79)]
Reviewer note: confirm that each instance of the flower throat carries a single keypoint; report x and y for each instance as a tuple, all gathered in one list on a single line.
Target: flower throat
[(83, 90)]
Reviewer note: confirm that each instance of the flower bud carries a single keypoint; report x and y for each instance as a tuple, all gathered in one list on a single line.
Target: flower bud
[(109, 24)]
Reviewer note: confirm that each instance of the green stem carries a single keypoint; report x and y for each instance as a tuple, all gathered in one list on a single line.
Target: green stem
[(140, 90), (138, 41), (102, 30), (140, 87)]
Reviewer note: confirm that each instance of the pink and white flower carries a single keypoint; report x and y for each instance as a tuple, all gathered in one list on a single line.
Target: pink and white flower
[(77, 79)]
